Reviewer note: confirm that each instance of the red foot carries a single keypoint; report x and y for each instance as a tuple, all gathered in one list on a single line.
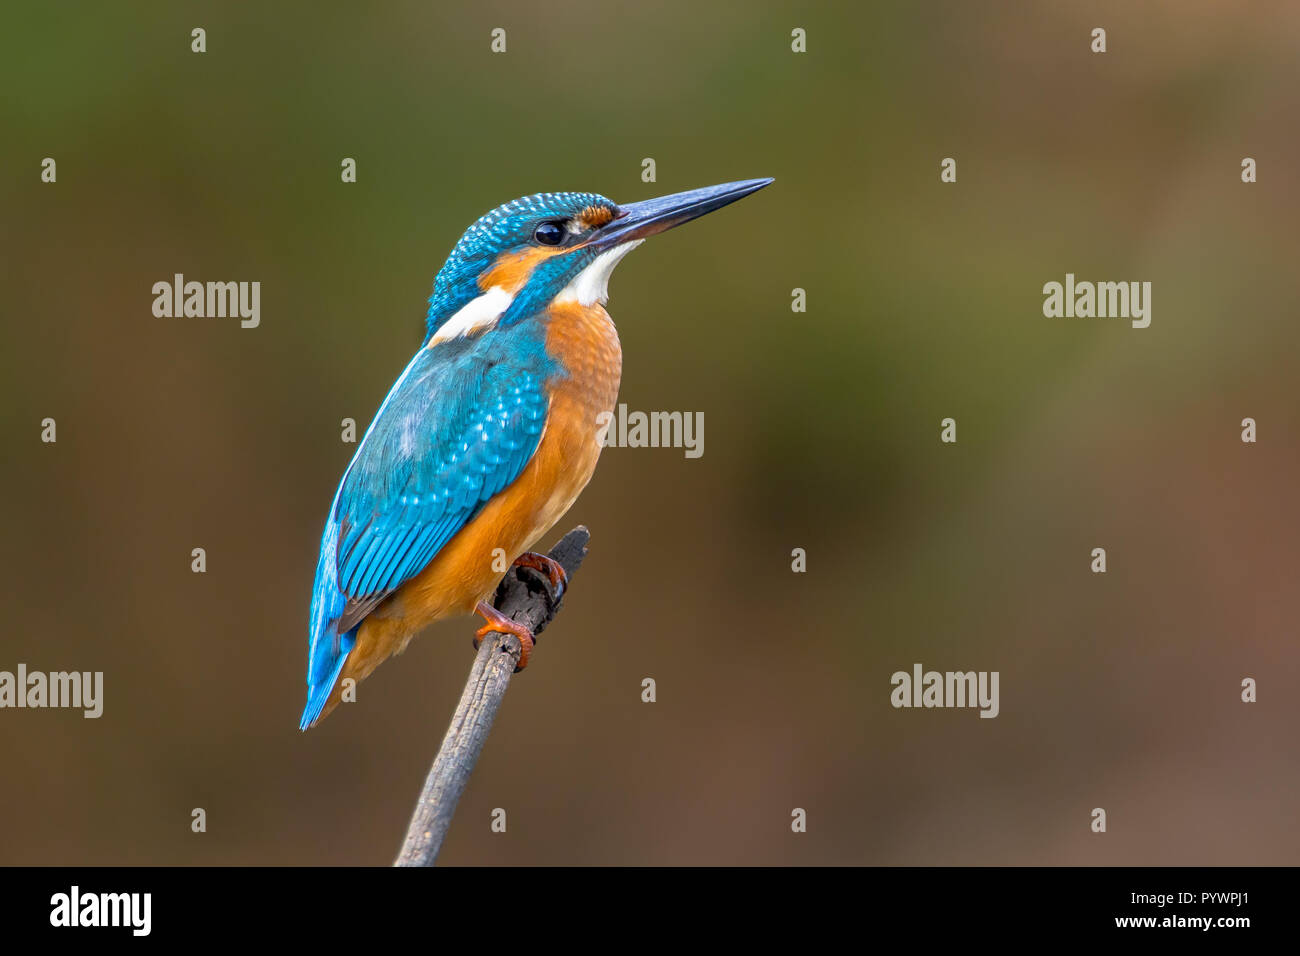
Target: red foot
[(548, 566), (498, 622)]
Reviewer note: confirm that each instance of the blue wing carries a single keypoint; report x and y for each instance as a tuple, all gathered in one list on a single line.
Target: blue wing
[(458, 426)]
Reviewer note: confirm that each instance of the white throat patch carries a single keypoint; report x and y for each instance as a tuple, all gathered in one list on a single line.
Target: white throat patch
[(591, 285), (478, 315)]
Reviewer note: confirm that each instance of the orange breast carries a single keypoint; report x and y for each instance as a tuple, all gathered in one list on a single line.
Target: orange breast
[(465, 571), (584, 341)]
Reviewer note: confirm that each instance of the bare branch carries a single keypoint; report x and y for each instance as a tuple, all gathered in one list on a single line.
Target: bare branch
[(524, 596)]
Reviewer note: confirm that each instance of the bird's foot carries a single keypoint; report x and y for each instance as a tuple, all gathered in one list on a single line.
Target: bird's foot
[(499, 623), (548, 566)]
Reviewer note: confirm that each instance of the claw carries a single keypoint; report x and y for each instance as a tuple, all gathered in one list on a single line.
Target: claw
[(548, 566), (499, 623)]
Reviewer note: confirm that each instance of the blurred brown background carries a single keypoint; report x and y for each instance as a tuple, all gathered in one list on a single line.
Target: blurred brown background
[(821, 429)]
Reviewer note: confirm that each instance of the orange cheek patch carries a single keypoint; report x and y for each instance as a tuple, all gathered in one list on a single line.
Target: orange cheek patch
[(593, 217), (512, 269)]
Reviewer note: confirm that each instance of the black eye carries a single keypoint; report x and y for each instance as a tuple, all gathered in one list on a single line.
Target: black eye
[(549, 234)]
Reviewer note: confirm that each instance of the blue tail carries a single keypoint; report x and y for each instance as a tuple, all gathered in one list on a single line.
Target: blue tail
[(328, 651), (319, 692)]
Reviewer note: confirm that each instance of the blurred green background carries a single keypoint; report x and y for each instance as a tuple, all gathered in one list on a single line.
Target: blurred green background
[(821, 429)]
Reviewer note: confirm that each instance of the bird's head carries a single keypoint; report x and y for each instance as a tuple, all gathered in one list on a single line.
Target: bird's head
[(551, 247)]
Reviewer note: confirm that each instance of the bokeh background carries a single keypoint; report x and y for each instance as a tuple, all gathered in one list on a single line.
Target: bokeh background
[(821, 429)]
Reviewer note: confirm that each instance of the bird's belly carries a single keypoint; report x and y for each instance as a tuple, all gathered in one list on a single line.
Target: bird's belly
[(469, 567)]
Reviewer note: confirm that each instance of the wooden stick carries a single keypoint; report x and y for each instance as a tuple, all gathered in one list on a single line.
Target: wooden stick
[(524, 595)]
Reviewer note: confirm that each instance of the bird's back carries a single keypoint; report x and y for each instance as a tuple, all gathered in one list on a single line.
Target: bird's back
[(479, 449)]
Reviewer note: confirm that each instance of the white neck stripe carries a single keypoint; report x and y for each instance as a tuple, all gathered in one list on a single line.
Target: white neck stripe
[(478, 315)]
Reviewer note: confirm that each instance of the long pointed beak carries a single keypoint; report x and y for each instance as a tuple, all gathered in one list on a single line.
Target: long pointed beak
[(653, 216)]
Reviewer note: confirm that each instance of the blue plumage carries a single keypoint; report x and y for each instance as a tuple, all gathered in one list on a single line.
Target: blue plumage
[(457, 427)]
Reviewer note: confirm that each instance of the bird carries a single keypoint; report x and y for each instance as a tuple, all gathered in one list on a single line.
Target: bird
[(489, 434)]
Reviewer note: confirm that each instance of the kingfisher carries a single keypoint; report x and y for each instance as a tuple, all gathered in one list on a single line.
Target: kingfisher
[(488, 436)]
